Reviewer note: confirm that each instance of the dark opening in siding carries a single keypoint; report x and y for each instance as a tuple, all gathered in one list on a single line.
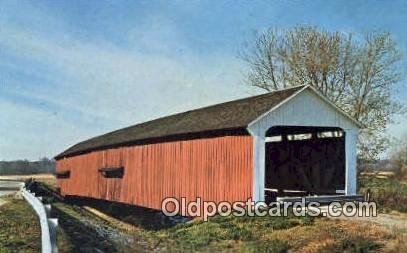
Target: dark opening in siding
[(112, 172), (63, 174)]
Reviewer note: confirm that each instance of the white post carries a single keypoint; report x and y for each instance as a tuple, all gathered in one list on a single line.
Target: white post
[(258, 167), (53, 232), (48, 210), (350, 156)]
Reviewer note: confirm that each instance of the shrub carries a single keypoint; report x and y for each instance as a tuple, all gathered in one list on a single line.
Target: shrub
[(389, 193), (272, 246)]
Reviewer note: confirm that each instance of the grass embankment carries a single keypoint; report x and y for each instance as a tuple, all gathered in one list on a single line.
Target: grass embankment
[(143, 230), (19, 227), (274, 234), (388, 191), (219, 234), (146, 231)]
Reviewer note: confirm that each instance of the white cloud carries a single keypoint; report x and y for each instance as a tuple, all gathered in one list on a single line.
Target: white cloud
[(31, 133), (114, 85)]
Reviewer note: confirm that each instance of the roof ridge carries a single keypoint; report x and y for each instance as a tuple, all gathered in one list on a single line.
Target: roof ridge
[(197, 109), (240, 112), (213, 105)]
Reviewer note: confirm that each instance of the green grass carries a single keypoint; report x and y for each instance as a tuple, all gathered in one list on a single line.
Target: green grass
[(356, 244), (19, 227), (20, 230), (275, 245), (219, 234), (272, 234), (389, 193)]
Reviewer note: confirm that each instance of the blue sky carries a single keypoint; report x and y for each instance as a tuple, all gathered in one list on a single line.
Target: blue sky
[(71, 70)]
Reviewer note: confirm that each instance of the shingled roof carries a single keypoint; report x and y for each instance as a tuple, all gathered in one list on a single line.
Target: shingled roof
[(237, 114)]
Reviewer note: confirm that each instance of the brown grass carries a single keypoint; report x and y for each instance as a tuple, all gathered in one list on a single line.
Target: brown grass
[(398, 244), (47, 179), (19, 227), (331, 236)]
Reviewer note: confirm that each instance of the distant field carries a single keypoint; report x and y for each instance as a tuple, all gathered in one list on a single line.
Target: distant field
[(378, 174), (48, 179), (24, 177)]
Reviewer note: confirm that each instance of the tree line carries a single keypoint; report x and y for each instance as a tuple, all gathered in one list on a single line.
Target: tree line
[(24, 167)]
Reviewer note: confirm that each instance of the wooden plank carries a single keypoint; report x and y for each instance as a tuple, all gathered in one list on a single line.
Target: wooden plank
[(215, 169)]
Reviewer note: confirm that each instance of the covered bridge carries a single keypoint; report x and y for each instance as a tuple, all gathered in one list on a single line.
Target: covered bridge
[(293, 141)]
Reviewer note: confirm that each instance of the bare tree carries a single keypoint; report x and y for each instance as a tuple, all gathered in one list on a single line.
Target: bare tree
[(356, 73), (398, 156)]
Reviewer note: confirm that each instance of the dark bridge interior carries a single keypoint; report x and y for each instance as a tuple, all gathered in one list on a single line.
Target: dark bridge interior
[(302, 161)]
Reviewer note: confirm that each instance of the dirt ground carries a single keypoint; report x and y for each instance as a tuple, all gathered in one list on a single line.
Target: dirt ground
[(393, 220), (395, 223)]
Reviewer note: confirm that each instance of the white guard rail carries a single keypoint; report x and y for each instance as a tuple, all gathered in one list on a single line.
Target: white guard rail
[(48, 225)]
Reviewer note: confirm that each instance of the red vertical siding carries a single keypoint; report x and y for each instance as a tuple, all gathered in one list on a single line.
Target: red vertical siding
[(215, 169)]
